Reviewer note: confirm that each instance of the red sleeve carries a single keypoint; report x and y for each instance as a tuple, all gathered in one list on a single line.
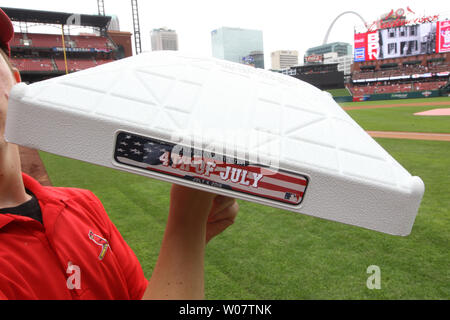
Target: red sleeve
[(137, 283), (131, 268)]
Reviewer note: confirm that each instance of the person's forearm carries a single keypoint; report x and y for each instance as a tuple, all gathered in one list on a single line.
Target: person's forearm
[(179, 271)]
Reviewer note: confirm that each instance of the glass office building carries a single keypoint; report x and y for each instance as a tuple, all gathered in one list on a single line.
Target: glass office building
[(164, 39), (341, 48), (236, 44)]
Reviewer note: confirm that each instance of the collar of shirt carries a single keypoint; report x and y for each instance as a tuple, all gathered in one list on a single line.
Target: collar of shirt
[(51, 205)]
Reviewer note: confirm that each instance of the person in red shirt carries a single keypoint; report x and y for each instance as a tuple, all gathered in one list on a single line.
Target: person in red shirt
[(58, 243)]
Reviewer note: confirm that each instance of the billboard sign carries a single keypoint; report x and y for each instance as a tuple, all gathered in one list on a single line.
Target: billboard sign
[(360, 54), (314, 58), (360, 45), (443, 36), (403, 41), (366, 46), (372, 46), (400, 34)]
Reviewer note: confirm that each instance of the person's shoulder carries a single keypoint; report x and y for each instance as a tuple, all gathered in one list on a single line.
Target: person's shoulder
[(83, 205), (80, 201), (71, 193), (52, 193)]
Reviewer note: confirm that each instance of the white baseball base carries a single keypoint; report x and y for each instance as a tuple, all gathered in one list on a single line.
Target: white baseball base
[(221, 127)]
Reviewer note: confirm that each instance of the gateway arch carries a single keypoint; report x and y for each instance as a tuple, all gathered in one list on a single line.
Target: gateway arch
[(343, 13)]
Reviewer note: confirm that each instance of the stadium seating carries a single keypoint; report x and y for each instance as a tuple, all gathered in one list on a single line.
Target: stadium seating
[(33, 64), (102, 61), (406, 77), (75, 64), (16, 40), (46, 40), (37, 40), (91, 42), (395, 88), (40, 40), (400, 71), (420, 86), (39, 55)]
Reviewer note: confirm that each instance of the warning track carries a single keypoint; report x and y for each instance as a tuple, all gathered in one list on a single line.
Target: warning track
[(410, 135)]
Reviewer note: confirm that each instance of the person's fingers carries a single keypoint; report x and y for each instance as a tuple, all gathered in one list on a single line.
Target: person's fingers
[(221, 200), (226, 219), (227, 213), (220, 204)]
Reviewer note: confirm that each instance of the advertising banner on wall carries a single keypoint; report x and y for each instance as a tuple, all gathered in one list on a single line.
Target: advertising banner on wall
[(314, 58), (443, 36), (366, 46), (360, 45)]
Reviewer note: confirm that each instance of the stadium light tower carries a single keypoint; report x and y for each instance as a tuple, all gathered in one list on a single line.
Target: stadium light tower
[(332, 24), (137, 32), (101, 12), (101, 7)]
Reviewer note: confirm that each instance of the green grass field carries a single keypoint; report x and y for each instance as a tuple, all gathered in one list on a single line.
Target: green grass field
[(274, 254), (401, 118), (339, 92)]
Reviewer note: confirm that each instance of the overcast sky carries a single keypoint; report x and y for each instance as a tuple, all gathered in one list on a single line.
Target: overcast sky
[(286, 24)]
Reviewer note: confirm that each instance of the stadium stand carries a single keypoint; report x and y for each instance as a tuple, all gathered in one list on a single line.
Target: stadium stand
[(420, 73), (33, 64), (40, 56), (96, 42), (396, 88), (37, 40), (74, 65)]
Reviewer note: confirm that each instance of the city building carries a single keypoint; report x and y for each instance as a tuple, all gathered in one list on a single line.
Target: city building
[(164, 39), (283, 59), (236, 45), (341, 48), (258, 59), (344, 62)]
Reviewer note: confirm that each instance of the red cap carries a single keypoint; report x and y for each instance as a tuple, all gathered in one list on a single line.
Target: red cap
[(6, 32)]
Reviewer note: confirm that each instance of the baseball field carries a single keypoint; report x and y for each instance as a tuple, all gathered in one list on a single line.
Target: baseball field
[(275, 254)]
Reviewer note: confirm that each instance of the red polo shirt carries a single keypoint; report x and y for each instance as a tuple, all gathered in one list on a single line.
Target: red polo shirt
[(76, 254)]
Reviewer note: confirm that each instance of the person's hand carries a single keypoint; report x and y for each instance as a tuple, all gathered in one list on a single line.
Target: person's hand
[(222, 215), (195, 217), (217, 211)]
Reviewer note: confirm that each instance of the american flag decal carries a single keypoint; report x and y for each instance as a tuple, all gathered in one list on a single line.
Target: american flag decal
[(146, 153)]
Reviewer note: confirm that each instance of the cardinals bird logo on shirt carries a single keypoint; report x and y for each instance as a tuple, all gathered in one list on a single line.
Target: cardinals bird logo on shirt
[(100, 242)]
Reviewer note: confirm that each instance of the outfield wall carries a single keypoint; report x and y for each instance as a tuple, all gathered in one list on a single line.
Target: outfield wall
[(391, 96)]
